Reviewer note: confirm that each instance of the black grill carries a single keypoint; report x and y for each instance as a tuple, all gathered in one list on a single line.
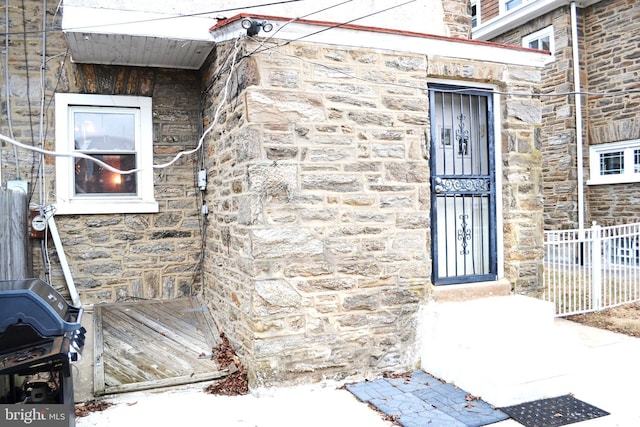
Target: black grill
[(40, 335)]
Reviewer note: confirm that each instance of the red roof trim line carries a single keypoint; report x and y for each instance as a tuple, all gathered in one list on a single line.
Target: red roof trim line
[(223, 22)]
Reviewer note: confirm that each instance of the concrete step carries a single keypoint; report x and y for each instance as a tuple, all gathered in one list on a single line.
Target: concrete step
[(504, 349)]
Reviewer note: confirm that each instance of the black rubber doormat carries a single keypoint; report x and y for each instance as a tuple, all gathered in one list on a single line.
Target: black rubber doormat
[(555, 411)]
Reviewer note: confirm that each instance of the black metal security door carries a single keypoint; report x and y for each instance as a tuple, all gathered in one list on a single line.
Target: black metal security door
[(463, 207)]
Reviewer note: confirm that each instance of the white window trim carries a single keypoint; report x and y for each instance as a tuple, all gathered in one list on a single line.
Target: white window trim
[(628, 174), (66, 203), (547, 31), (477, 3), (503, 6)]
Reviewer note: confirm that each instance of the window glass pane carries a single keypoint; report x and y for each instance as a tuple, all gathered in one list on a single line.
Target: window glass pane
[(104, 131), (544, 43), (474, 15), (533, 44), (512, 3), (612, 163), (91, 178)]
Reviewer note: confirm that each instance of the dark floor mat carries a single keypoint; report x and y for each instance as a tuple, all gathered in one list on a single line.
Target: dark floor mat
[(555, 411)]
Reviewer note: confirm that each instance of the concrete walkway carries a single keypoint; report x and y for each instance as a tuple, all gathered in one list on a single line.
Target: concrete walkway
[(606, 374)]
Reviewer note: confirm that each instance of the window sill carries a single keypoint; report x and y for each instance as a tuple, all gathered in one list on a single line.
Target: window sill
[(111, 207), (618, 180)]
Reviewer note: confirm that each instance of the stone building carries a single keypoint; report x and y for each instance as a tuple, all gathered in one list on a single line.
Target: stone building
[(318, 183), (590, 170)]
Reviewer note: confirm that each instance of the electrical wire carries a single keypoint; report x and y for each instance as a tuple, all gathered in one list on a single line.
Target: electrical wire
[(28, 83), (42, 102), (338, 25), (450, 90), (17, 144), (272, 35), (8, 91), (163, 18), (179, 155), (353, 20)]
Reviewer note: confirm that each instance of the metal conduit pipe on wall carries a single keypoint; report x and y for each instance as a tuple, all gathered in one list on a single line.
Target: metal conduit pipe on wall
[(578, 115)]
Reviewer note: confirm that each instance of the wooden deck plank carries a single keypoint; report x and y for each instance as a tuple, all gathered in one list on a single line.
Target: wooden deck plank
[(148, 352), (167, 332), (152, 352), (181, 323), (153, 344), (176, 317), (98, 350), (207, 325)]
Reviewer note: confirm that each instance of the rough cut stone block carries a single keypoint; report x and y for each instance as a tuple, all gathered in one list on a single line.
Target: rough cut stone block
[(276, 296), (361, 302), (331, 182), (269, 106), (284, 242), (526, 111)]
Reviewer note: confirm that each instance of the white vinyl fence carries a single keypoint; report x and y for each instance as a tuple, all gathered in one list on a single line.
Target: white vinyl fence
[(592, 269)]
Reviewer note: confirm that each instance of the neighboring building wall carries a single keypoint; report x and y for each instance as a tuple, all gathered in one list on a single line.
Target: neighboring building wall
[(317, 245), (111, 257), (457, 18), (557, 134), (612, 58), (489, 9)]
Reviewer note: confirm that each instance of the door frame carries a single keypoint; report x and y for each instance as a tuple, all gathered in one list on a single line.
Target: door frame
[(494, 93)]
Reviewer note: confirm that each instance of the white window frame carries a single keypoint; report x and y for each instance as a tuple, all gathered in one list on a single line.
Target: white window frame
[(476, 3), (547, 31), (503, 6), (628, 175), (66, 200)]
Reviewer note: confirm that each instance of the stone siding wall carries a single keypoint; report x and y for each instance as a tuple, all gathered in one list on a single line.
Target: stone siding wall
[(612, 58), (319, 225), (111, 257), (457, 18), (609, 61), (558, 131)]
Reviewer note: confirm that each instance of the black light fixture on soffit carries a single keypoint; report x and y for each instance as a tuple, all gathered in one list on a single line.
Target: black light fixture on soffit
[(253, 27)]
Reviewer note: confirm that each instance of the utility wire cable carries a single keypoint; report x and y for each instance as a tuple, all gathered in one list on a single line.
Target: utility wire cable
[(594, 94), (163, 18), (272, 35), (341, 24), (8, 90), (161, 166), (158, 166)]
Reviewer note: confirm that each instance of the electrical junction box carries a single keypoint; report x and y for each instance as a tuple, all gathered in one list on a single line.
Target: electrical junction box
[(18, 185), (202, 180)]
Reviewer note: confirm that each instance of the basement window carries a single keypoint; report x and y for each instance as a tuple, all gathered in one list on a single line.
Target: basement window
[(614, 163), (116, 130), (542, 39)]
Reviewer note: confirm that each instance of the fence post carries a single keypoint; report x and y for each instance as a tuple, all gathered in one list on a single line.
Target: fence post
[(596, 266)]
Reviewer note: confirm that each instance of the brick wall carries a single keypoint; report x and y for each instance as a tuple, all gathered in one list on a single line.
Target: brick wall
[(111, 257), (317, 244)]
